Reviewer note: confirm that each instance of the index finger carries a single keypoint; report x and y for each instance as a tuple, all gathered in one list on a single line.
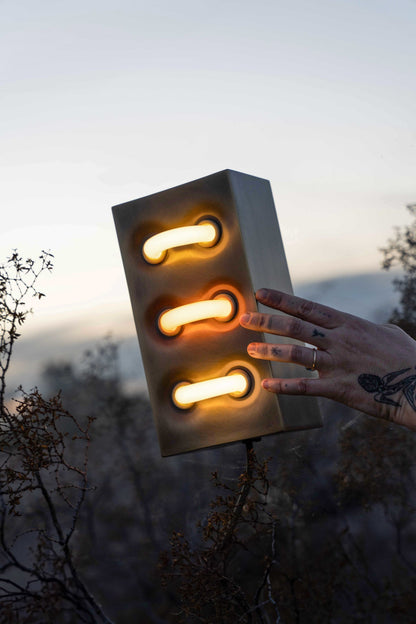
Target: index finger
[(304, 309)]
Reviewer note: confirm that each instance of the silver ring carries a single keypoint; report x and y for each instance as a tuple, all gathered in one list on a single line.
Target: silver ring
[(313, 367)]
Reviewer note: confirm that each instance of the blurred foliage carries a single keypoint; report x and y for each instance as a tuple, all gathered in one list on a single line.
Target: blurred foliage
[(401, 251), (209, 579), (43, 480)]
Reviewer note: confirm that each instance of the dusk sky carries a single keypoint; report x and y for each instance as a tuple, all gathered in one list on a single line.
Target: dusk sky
[(103, 102)]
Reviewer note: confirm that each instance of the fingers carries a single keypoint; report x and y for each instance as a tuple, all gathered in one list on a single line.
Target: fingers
[(296, 354), (286, 326), (308, 387), (301, 308)]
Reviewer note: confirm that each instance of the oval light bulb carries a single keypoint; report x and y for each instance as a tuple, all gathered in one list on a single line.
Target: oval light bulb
[(185, 394), (222, 307), (155, 248)]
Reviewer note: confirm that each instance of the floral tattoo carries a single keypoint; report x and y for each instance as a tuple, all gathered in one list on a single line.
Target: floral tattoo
[(384, 387)]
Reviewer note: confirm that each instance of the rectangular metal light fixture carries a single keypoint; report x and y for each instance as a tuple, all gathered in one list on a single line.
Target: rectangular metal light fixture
[(194, 255)]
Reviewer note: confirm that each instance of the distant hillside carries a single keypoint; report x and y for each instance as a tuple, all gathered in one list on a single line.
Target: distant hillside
[(369, 295)]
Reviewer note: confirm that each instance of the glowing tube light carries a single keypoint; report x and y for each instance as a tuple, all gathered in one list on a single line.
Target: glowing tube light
[(186, 394), (155, 248), (222, 308)]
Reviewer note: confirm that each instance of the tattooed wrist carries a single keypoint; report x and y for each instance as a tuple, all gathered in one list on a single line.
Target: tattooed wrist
[(385, 388)]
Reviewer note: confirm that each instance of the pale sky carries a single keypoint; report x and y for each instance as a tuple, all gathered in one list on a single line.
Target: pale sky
[(103, 102)]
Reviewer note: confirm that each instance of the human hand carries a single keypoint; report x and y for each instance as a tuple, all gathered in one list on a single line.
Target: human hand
[(366, 366)]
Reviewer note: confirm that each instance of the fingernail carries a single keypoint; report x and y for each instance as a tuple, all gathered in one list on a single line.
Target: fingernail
[(244, 318), (251, 349), (266, 384)]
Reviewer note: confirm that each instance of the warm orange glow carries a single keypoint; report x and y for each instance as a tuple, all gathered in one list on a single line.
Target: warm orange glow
[(155, 248), (222, 308), (186, 394)]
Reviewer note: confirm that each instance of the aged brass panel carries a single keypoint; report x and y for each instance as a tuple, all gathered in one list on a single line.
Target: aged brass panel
[(249, 254)]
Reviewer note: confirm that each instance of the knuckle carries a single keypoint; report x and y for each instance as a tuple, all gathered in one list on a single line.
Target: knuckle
[(254, 319), (277, 386), (306, 307), (276, 351), (294, 327), (269, 322), (295, 353), (303, 386), (395, 329), (260, 319), (262, 349)]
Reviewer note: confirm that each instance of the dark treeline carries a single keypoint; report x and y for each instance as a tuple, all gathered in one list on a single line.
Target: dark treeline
[(330, 540)]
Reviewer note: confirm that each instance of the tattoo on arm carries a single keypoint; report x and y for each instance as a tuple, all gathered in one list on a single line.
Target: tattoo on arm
[(384, 387), (318, 333)]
